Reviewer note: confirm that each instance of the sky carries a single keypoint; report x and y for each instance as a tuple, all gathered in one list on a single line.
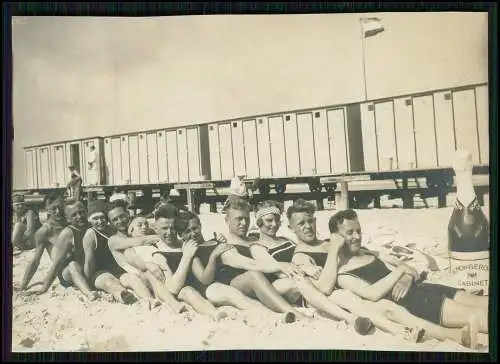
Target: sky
[(77, 77)]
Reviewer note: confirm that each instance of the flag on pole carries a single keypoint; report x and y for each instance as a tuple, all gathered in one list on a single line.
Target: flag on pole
[(371, 26)]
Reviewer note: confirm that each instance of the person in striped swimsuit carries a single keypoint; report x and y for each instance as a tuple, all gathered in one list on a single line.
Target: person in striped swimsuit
[(100, 266)]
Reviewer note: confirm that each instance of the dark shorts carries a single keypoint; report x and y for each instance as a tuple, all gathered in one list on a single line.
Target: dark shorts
[(425, 300), (114, 269), (226, 274), (64, 283)]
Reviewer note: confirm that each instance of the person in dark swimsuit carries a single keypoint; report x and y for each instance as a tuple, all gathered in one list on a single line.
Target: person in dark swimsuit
[(68, 256), (144, 278), (367, 275), (100, 266), (311, 252), (205, 264), (241, 271), (268, 219), (175, 257)]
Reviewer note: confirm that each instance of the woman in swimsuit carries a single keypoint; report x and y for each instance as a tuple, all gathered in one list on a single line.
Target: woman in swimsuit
[(271, 247), (367, 275)]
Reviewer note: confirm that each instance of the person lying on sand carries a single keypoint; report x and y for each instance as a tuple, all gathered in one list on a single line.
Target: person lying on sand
[(405, 300), (25, 224), (241, 271), (68, 256), (100, 266), (313, 286), (143, 277)]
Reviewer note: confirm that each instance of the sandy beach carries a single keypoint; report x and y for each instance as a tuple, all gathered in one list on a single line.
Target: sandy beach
[(61, 320)]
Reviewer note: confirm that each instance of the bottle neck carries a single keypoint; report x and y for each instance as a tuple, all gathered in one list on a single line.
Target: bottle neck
[(465, 188)]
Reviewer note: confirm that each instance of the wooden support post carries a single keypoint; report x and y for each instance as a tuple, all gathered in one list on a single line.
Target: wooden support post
[(319, 205), (441, 194), (376, 202), (190, 199), (407, 196), (91, 196), (342, 197), (213, 207), (480, 198)]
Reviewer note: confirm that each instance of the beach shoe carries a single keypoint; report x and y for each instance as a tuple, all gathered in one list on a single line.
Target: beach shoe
[(413, 334), (363, 325), (128, 297)]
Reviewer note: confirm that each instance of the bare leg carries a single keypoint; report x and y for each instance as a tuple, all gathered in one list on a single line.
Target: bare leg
[(108, 283), (255, 283), (393, 311), (468, 299), (136, 284), (222, 295), (201, 305), (73, 273), (162, 293), (455, 314)]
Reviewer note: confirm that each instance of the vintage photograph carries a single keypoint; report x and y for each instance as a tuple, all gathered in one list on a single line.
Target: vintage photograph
[(220, 182)]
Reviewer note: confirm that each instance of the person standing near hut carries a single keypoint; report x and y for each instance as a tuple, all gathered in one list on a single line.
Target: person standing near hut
[(75, 183)]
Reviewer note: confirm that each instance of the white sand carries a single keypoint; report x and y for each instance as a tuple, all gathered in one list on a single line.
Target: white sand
[(61, 320)]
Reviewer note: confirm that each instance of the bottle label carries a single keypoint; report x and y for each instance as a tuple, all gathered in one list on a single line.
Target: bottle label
[(470, 274)]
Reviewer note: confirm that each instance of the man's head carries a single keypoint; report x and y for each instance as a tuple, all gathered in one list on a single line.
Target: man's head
[(92, 147), (268, 217), (346, 223), (118, 215), (97, 214), (164, 226), (18, 205), (238, 216), (302, 221), (75, 214), (139, 226), (188, 226), (55, 209), (71, 168)]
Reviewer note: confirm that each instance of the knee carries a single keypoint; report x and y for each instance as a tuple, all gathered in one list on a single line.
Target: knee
[(186, 291)]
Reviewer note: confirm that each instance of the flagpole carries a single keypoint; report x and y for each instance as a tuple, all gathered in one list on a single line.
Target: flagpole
[(363, 46)]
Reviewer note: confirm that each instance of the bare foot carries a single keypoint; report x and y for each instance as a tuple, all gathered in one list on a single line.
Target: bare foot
[(220, 315), (92, 296), (469, 333)]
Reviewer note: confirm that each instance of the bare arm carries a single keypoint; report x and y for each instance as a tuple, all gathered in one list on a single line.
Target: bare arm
[(206, 274), (121, 243), (261, 253), (176, 281), (373, 292), (30, 222), (134, 259), (40, 243), (392, 261), (61, 250), (234, 259), (328, 278), (89, 246)]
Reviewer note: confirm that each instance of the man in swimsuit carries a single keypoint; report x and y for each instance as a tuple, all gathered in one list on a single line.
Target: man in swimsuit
[(68, 256), (74, 185), (25, 223), (46, 236), (325, 254), (241, 271), (143, 276), (367, 275), (100, 266)]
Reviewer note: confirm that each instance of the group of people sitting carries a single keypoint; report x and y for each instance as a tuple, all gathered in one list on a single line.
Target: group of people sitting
[(102, 248)]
